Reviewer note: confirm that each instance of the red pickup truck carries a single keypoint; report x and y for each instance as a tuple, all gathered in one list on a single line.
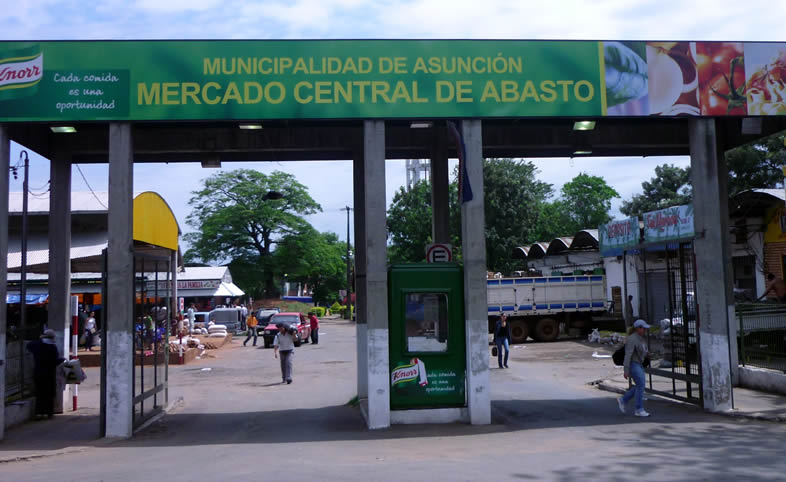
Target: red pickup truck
[(295, 320)]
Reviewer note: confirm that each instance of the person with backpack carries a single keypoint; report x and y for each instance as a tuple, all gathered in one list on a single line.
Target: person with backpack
[(634, 363), (502, 339)]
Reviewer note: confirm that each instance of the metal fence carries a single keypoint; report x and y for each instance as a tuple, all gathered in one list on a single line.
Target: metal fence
[(19, 363), (762, 335)]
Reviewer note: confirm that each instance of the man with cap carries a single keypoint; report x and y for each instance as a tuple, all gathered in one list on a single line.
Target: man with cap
[(284, 344), (635, 353), (46, 358)]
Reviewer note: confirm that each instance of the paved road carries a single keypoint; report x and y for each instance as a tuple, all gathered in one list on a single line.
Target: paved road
[(239, 423)]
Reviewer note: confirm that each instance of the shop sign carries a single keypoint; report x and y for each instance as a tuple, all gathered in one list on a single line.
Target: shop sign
[(669, 224), (615, 236)]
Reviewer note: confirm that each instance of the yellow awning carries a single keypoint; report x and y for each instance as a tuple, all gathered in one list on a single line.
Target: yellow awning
[(154, 221)]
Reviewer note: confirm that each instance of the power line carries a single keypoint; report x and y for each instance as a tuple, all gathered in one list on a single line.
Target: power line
[(90, 188)]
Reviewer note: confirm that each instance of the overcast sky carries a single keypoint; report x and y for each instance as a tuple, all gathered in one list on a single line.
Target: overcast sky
[(330, 183)]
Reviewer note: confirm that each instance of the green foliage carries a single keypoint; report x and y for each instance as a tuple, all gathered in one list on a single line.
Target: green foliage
[(586, 202), (233, 221), (409, 222), (319, 311), (336, 307), (756, 165), (318, 259), (513, 199), (670, 187), (295, 307)]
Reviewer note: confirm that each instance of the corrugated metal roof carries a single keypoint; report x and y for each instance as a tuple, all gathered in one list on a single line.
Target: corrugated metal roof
[(81, 202), (202, 273)]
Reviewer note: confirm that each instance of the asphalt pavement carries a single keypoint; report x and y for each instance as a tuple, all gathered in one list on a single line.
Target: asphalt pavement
[(237, 422)]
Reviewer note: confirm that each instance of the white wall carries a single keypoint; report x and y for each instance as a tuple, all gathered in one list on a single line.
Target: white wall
[(615, 277)]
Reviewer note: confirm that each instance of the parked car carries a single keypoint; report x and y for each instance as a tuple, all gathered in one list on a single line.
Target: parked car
[(263, 317), (295, 320)]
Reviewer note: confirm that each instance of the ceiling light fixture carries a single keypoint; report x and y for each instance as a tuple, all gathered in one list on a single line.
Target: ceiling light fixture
[(420, 124), (583, 125), (250, 127), (63, 129)]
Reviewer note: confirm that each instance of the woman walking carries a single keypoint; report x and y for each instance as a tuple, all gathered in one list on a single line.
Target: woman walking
[(502, 339), (635, 353), (90, 331)]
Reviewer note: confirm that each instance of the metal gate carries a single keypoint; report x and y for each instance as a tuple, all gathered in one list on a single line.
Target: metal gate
[(673, 342), (150, 324)]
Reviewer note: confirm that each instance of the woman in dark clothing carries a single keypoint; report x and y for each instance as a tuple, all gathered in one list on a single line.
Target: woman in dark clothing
[(502, 339), (46, 358)]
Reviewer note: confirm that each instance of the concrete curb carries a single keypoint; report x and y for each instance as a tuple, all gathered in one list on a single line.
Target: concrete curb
[(605, 386)]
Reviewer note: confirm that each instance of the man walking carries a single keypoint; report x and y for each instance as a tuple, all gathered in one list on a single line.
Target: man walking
[(251, 324), (284, 343), (312, 317)]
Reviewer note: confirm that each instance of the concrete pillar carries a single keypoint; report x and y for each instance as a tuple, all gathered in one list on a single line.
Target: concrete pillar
[(120, 285), (360, 272), (5, 164), (59, 316), (376, 276), (713, 265), (440, 191), (473, 247)]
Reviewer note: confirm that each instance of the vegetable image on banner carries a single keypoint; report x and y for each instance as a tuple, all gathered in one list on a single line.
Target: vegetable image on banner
[(765, 67), (625, 65), (669, 224)]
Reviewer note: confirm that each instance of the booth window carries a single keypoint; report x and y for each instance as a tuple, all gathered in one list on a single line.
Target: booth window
[(426, 322)]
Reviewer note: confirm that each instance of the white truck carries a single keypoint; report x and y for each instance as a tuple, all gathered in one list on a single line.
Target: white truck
[(536, 306)]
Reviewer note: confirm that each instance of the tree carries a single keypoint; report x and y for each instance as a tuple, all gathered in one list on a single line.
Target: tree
[(553, 221), (756, 165), (513, 203), (670, 187), (409, 222), (234, 222), (318, 259), (587, 202)]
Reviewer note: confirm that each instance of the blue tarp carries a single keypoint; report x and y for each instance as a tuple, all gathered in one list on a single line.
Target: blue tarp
[(29, 299)]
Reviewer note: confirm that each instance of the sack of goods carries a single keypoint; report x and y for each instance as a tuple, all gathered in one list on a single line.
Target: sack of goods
[(217, 334), (216, 328)]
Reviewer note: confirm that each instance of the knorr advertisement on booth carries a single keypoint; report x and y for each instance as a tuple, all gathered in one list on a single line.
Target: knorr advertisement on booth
[(355, 79)]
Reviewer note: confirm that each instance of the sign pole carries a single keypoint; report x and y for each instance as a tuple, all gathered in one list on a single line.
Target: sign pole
[(75, 342)]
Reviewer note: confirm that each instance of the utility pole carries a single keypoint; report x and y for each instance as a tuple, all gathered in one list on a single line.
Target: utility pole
[(349, 272), (23, 274)]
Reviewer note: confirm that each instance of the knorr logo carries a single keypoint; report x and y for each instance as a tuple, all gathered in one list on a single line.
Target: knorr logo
[(406, 374), (19, 72)]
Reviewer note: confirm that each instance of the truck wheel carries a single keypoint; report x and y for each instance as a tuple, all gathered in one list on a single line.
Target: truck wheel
[(519, 331), (547, 329)]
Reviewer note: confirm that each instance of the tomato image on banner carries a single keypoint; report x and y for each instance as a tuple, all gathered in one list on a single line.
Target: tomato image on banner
[(721, 68)]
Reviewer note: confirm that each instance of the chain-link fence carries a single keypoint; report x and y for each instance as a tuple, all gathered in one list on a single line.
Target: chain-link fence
[(762, 336)]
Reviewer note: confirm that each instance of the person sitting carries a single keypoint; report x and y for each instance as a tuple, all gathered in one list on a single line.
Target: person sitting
[(776, 286)]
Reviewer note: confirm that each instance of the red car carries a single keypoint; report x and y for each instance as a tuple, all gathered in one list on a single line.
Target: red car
[(295, 320)]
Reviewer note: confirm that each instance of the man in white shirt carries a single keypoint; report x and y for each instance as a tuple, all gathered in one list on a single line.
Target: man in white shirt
[(191, 313), (284, 343)]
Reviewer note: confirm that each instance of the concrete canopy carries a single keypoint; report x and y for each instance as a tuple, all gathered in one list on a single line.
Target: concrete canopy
[(337, 140)]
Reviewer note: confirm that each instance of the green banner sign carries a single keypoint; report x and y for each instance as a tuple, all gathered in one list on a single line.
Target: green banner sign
[(669, 224), (616, 236), (351, 79)]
